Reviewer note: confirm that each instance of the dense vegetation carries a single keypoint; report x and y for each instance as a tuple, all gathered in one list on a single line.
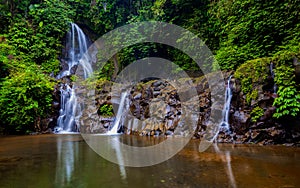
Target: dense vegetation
[(238, 32)]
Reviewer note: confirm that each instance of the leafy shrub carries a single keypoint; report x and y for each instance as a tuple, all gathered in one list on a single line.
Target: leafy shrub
[(24, 96), (106, 110), (6, 54), (51, 17), (256, 113), (248, 29), (36, 37), (251, 96), (288, 100)]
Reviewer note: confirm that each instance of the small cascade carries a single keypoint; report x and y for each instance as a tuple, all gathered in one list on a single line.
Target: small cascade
[(67, 115), (273, 76), (226, 109), (122, 105), (76, 47)]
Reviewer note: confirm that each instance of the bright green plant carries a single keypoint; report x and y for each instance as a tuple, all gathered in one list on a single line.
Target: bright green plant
[(25, 96), (20, 36), (256, 113), (51, 17), (106, 110), (246, 29), (288, 100), (251, 96)]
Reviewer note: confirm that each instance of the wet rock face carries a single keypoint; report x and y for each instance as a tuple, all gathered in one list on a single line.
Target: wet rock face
[(263, 129), (90, 120), (241, 122), (157, 105)]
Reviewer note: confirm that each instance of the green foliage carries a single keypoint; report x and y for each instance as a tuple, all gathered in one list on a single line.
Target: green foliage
[(36, 37), (288, 100), (20, 36), (248, 29), (24, 96), (256, 113), (103, 15), (29, 49), (51, 18), (106, 110), (252, 95), (5, 16), (240, 32), (251, 74), (6, 54)]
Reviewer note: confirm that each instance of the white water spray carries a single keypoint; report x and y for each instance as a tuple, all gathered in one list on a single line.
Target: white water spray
[(226, 109), (70, 110), (115, 127)]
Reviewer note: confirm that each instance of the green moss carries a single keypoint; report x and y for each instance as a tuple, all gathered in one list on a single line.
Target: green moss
[(255, 72), (256, 113), (246, 85), (139, 86), (251, 74), (149, 83), (93, 82), (286, 56), (198, 80)]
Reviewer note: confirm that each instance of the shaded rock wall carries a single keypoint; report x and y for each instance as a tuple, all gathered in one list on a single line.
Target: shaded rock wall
[(245, 126), (250, 116)]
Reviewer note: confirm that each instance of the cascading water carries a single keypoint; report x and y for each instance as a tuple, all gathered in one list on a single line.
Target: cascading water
[(70, 111), (76, 47), (67, 114), (122, 106), (273, 76), (226, 109)]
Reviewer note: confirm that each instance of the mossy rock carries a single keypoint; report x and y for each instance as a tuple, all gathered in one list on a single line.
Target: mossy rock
[(253, 73)]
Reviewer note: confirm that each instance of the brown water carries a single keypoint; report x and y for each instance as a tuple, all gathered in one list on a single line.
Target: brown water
[(67, 161)]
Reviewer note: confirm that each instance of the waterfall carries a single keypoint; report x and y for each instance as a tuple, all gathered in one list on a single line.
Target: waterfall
[(273, 76), (115, 126), (76, 47), (226, 109), (67, 113)]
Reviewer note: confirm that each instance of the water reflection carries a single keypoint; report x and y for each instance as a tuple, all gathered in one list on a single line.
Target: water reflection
[(67, 155), (67, 161), (107, 147), (226, 158), (116, 146)]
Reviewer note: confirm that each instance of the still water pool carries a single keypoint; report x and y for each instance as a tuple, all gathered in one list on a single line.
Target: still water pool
[(67, 161)]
